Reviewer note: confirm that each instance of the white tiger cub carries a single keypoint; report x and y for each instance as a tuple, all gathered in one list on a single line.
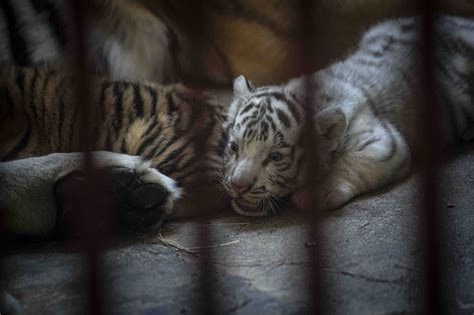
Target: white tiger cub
[(363, 113)]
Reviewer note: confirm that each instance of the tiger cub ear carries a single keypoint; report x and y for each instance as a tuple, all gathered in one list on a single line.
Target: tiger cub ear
[(331, 125), (242, 86)]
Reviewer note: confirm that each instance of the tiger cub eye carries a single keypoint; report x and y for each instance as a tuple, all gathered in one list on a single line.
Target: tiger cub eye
[(275, 156), (234, 147)]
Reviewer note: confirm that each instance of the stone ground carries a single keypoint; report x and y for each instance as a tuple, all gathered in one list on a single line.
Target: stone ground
[(370, 261)]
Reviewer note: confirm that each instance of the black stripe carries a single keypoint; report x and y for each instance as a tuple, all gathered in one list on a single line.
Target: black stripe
[(263, 131), (445, 62), (23, 142), (162, 145), (168, 166), (273, 126), (171, 105), (367, 143), (388, 41), (118, 102), (406, 28), (17, 41), (175, 163), (73, 119), (290, 103), (245, 120), (193, 161), (453, 77), (174, 157), (246, 109), (370, 62), (56, 103), (283, 118), (248, 84), (137, 101), (375, 53), (286, 167), (151, 135), (45, 95), (278, 182), (104, 86), (123, 146), (33, 104), (222, 143), (270, 107), (154, 100)]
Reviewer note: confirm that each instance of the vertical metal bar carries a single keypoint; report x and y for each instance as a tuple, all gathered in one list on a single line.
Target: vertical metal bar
[(430, 159), (3, 253), (308, 28), (89, 210), (196, 24), (206, 277)]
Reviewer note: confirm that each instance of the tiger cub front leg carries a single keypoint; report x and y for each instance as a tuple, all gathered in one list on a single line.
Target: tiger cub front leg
[(331, 194), (370, 161)]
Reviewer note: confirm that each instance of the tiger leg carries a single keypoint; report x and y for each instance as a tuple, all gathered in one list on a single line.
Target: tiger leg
[(359, 171), (33, 191)]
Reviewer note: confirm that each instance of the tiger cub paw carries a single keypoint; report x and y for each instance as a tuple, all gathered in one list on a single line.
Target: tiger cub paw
[(321, 199), (141, 196)]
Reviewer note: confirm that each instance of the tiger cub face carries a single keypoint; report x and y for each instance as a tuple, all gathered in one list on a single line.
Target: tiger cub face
[(264, 151)]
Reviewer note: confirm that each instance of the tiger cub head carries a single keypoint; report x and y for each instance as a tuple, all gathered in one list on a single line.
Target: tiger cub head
[(263, 152), (264, 157)]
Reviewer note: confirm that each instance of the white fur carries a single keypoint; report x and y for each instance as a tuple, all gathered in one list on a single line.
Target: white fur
[(36, 32), (143, 56)]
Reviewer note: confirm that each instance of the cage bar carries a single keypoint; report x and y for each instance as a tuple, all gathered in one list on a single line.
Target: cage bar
[(429, 153), (92, 240), (314, 237)]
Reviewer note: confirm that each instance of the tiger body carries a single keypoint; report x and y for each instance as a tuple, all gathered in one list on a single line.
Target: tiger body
[(203, 42), (121, 38), (364, 110), (175, 130)]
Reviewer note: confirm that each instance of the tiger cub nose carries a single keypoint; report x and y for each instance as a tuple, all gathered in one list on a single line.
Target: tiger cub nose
[(242, 186)]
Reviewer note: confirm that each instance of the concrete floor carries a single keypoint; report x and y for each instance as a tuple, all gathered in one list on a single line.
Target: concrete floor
[(370, 261)]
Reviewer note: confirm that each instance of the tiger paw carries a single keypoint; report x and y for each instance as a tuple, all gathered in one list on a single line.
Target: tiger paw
[(322, 199), (140, 196)]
